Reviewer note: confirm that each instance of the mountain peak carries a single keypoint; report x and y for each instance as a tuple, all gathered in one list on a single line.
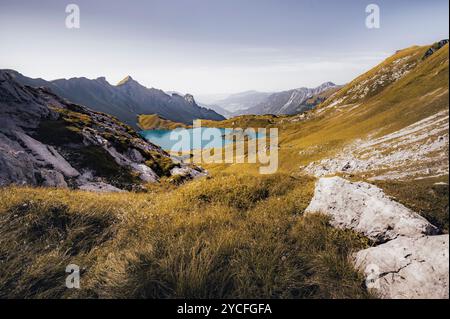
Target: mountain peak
[(326, 85), (127, 79)]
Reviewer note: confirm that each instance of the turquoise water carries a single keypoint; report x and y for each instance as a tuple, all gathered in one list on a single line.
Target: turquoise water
[(184, 138)]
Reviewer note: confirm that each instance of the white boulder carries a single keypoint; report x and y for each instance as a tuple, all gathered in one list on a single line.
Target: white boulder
[(408, 268), (365, 208)]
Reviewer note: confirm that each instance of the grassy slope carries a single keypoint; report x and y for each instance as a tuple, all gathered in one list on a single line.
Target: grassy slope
[(419, 94), (227, 236), (155, 122), (244, 121), (391, 108)]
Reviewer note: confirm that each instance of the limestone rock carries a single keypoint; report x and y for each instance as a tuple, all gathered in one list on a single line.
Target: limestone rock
[(100, 187), (53, 178), (365, 208), (47, 154), (187, 171), (407, 268)]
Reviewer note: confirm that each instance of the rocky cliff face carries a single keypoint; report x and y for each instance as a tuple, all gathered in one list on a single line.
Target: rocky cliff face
[(46, 140)]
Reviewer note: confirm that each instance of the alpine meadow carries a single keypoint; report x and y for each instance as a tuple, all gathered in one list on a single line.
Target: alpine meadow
[(357, 207)]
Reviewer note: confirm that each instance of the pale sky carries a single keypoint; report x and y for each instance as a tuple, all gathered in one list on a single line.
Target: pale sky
[(212, 46)]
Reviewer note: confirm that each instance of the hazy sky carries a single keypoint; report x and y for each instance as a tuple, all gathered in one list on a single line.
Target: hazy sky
[(212, 46)]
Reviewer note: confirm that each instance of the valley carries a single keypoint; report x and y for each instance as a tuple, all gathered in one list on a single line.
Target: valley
[(363, 174)]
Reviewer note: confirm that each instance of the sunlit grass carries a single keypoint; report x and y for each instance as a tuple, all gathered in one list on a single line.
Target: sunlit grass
[(224, 237)]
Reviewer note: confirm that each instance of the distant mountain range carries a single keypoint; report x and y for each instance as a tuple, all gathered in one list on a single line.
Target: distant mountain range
[(291, 102), (241, 101), (287, 102), (126, 100)]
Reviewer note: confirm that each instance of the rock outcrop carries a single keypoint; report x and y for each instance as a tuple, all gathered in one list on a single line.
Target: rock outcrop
[(435, 47), (408, 268), (46, 140), (406, 263), (416, 151), (365, 208)]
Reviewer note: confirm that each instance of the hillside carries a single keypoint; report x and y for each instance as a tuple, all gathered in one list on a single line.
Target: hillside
[(394, 135), (398, 113), (155, 122), (126, 100), (47, 141), (400, 92)]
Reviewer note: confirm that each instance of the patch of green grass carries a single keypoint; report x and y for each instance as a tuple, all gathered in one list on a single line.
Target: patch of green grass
[(160, 164), (156, 122), (57, 133), (104, 165), (120, 142)]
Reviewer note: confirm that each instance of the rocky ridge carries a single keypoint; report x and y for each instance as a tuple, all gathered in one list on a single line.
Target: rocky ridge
[(125, 101), (290, 102)]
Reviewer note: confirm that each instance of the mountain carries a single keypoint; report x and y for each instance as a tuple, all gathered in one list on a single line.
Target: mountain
[(292, 101), (126, 100), (378, 149), (238, 102), (48, 141), (280, 103), (218, 109), (390, 123)]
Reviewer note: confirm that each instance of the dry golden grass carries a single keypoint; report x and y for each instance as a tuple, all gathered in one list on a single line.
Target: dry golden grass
[(237, 234), (223, 237), (428, 197), (245, 121), (155, 122)]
